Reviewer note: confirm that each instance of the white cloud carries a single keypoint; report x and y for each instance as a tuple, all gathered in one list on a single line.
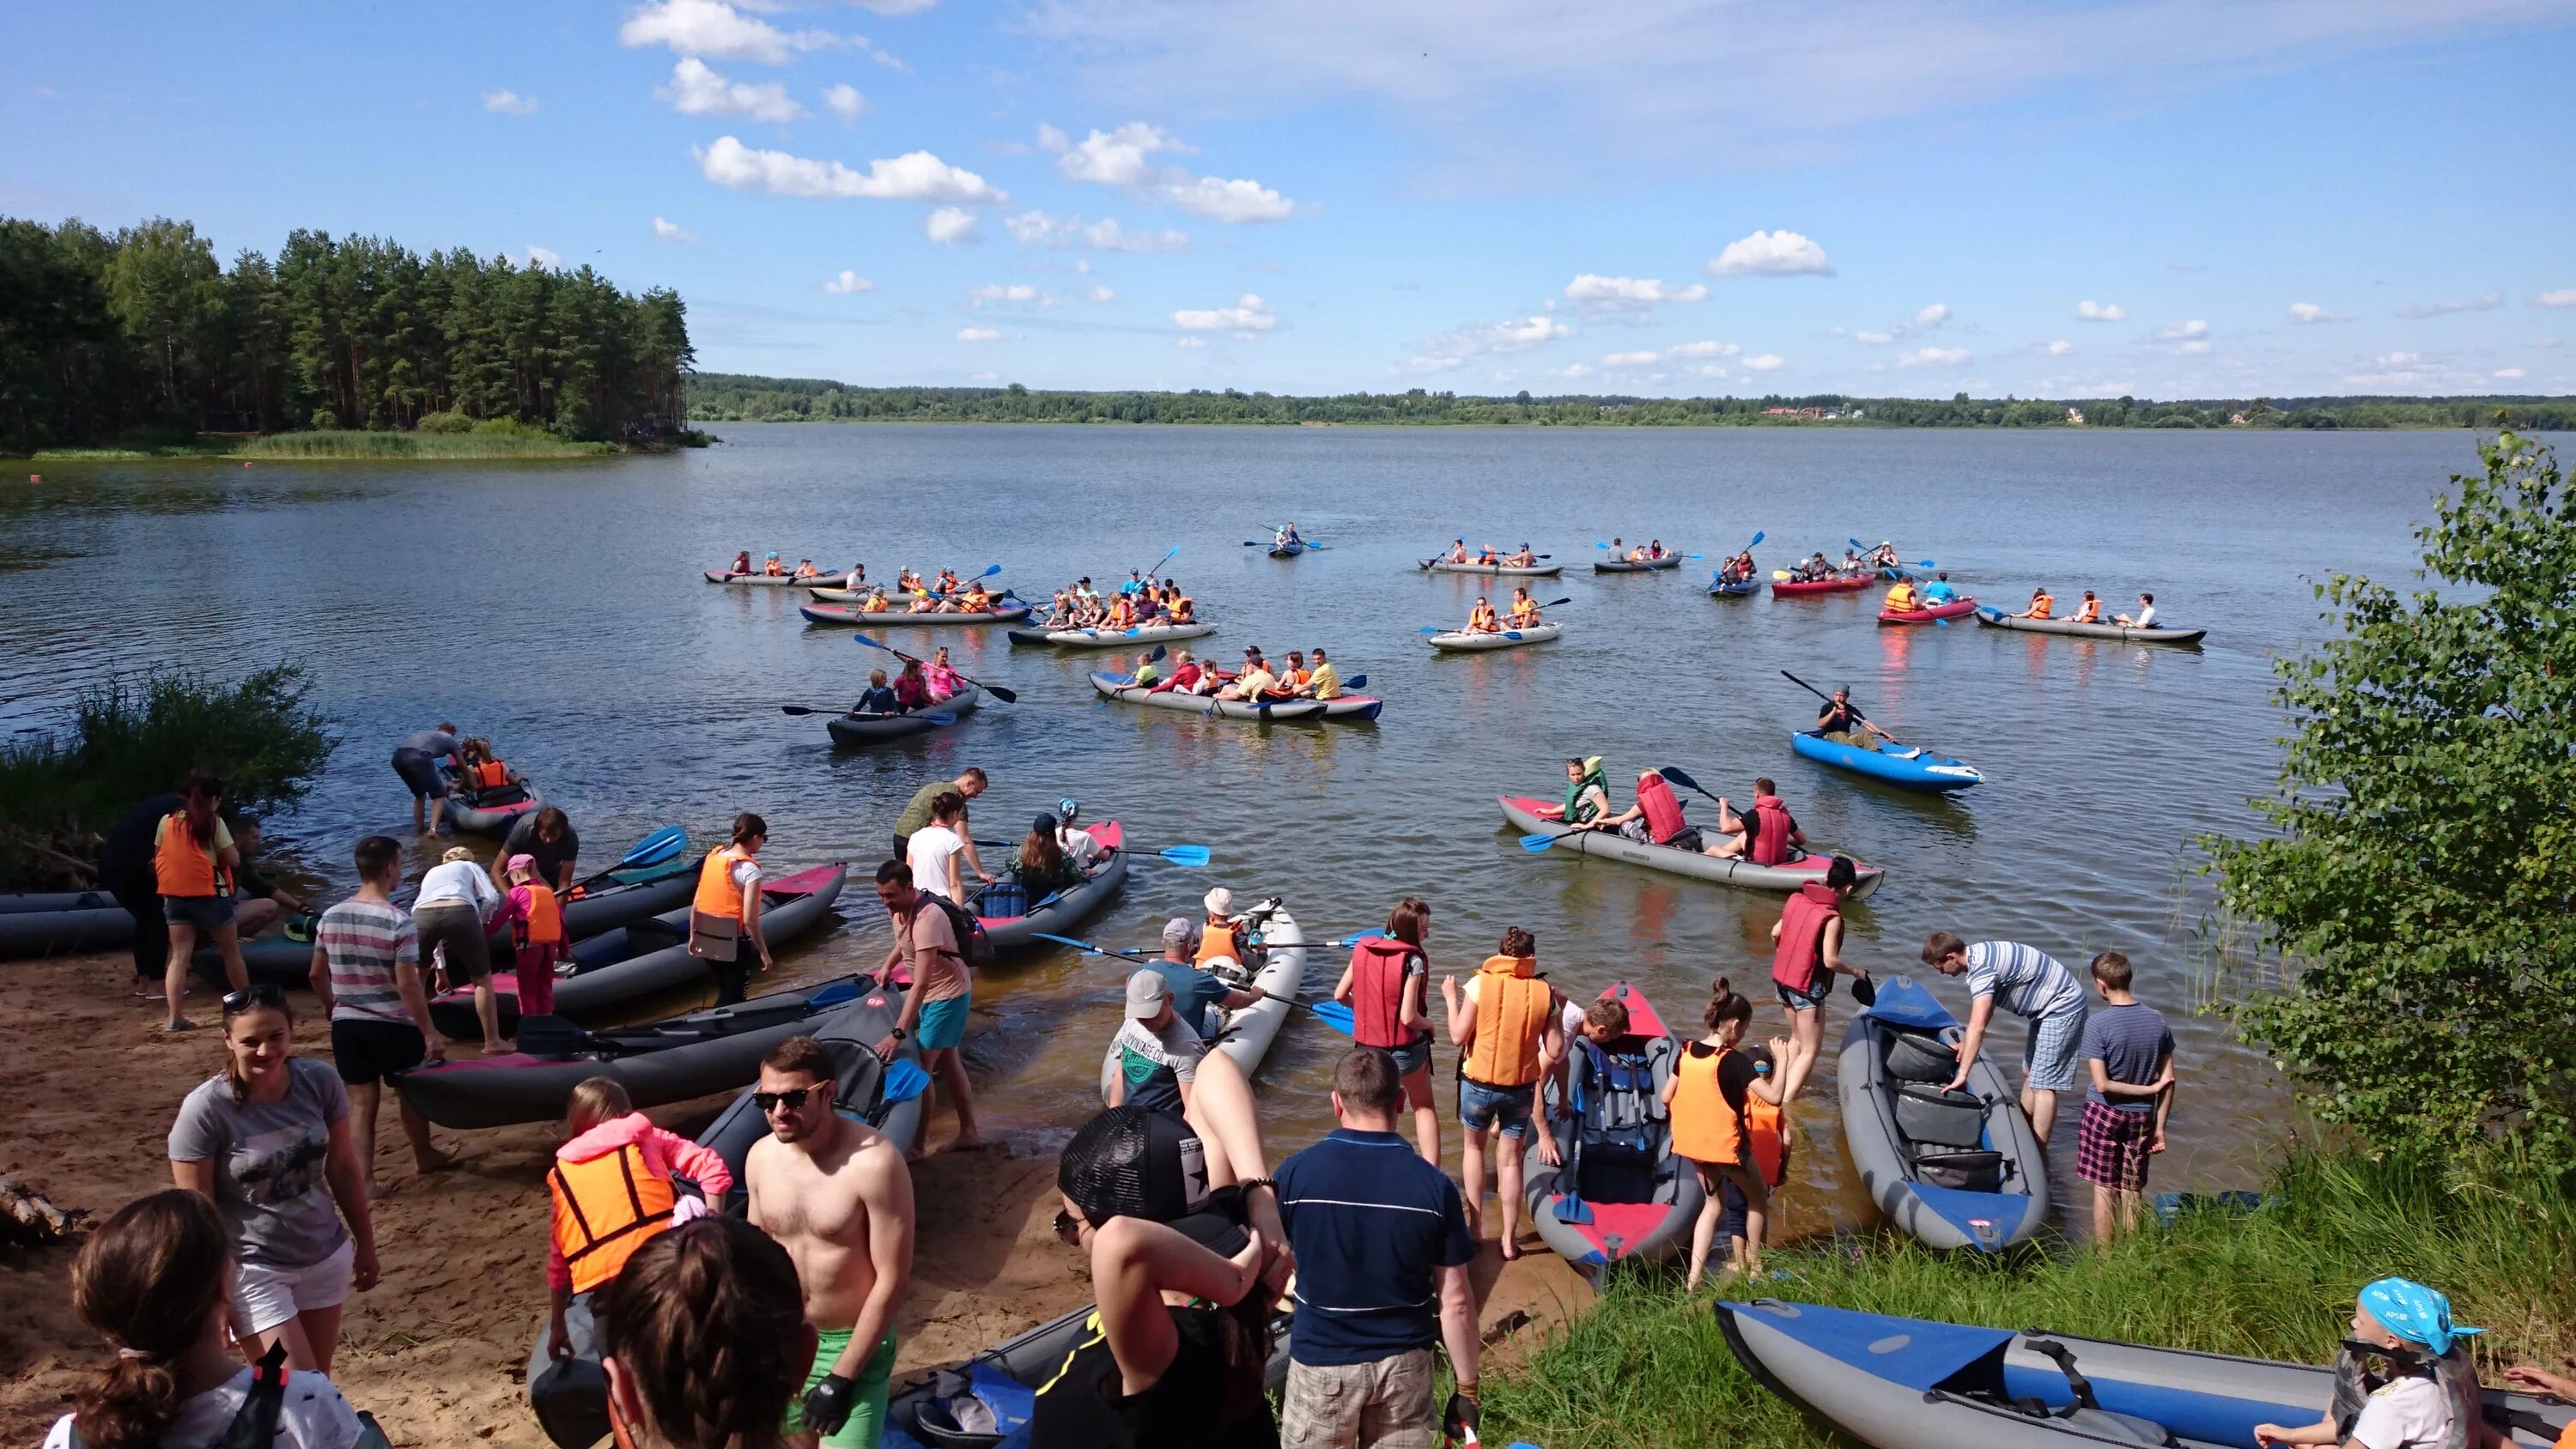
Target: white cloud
[(1218, 199), (1125, 157), (1767, 362), (1628, 294), (2057, 347), (1934, 357), (2562, 297), (669, 231), (540, 257), (1703, 349), (1631, 359), (1874, 339), (914, 176), (1780, 253), (977, 334), (1189, 342), (711, 27), (509, 103), (1572, 370), (1039, 228), (1478, 339), (896, 7), (2417, 311), (1248, 314), (2509, 374), (951, 224), (2092, 311), (698, 90), (2182, 331), (1932, 316), (2193, 348), (1104, 294), (1013, 294), (849, 284), (2310, 312), (845, 102)]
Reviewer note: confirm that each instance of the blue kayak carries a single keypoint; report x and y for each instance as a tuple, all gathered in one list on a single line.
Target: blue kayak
[(1734, 590), (1907, 765)]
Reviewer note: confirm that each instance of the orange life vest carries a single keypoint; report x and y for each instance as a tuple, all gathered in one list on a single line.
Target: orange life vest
[(2040, 605), (717, 893), (1225, 941), (1705, 1128), (2091, 613), (1771, 836), (1762, 1129), (1482, 617), (605, 1209), (1801, 952), (1511, 1016), (1663, 811), (1377, 993), (180, 866), (1900, 599), (489, 775), (545, 917)]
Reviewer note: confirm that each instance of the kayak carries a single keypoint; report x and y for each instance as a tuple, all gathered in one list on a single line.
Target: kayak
[(1122, 688), (287, 956), (854, 730), (647, 956), (1964, 604), (493, 811), (1890, 574), (1505, 571), (1638, 565), (1533, 817), (1838, 584), (1010, 613), (570, 1395), (1287, 550), (1620, 1192), (1996, 619), (57, 923), (658, 1063), (1954, 1169), (1110, 638), (1912, 1383), (1913, 767), (1736, 590), (774, 581), (1465, 641), (1000, 1386), (1018, 927), (834, 595), (1280, 970)]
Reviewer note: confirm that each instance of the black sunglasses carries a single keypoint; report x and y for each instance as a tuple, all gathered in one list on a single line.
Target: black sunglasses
[(1067, 1226), (793, 1099), (265, 993)]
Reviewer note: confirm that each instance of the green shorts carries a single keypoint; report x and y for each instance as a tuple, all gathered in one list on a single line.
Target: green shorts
[(866, 1424)]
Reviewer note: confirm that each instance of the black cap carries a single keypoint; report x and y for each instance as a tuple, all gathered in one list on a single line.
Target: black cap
[(1132, 1162), (1043, 825)]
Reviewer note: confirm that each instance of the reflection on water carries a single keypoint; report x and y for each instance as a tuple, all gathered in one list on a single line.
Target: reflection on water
[(569, 621)]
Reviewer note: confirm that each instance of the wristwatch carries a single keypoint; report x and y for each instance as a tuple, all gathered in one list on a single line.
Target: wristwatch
[(901, 1035)]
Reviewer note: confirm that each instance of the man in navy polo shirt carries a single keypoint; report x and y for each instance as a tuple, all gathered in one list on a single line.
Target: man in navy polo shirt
[(1382, 1250)]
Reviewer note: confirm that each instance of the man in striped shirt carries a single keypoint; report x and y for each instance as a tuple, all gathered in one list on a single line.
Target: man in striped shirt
[(2032, 985), (366, 969)]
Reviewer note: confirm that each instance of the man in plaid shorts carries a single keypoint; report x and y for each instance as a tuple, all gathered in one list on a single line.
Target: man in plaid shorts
[(2130, 1053), (2030, 984)]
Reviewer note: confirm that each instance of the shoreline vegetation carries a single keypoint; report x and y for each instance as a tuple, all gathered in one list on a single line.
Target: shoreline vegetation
[(352, 445), (743, 398)]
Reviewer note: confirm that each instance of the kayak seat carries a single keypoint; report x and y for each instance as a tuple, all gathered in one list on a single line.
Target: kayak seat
[(1928, 1112), (1920, 1056), (1962, 1171), (2114, 1428)]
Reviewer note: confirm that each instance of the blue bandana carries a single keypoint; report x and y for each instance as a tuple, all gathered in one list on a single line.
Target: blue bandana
[(2415, 1313)]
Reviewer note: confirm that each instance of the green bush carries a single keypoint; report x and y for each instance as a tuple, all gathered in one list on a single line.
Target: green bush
[(510, 428), (446, 422), (324, 420)]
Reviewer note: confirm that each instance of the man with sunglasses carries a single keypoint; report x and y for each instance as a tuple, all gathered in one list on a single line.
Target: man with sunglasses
[(836, 1194)]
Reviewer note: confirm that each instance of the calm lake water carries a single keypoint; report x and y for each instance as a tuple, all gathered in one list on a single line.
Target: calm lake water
[(559, 609)]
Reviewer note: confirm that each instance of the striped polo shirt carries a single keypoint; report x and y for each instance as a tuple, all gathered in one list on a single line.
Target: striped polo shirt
[(364, 941)]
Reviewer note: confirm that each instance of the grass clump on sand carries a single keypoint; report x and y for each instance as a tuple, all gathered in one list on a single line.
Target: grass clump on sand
[(1649, 1366), (345, 445)]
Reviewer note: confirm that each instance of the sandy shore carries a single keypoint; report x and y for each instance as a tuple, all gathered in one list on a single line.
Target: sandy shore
[(439, 1349)]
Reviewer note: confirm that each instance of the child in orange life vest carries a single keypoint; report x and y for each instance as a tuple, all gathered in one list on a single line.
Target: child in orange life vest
[(1772, 1139), (611, 1191), (536, 924), (1712, 1090), (484, 770)]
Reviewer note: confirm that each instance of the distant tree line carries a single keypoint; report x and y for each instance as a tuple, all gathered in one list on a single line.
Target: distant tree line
[(733, 397), (142, 333)]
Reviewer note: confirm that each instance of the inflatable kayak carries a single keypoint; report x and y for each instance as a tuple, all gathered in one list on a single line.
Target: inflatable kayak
[(647, 956), (1533, 817), (1011, 923), (570, 1395), (845, 614), (1111, 638), (1736, 590), (1123, 688), (1287, 550), (1964, 604), (493, 811), (1459, 641), (854, 730), (774, 581), (1619, 1191), (58, 923), (1838, 584), (1911, 766), (1911, 1383), (1278, 967), (1996, 619), (1638, 565), (1505, 571), (659, 1063), (1954, 1169)]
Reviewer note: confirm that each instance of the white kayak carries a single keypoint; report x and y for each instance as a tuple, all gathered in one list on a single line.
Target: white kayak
[(1111, 638), (1463, 640), (1280, 971), (1505, 571), (1538, 817)]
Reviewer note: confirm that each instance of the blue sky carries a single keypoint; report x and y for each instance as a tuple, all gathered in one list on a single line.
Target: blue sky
[(1670, 197)]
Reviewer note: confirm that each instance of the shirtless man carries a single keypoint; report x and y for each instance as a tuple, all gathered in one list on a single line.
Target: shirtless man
[(836, 1195)]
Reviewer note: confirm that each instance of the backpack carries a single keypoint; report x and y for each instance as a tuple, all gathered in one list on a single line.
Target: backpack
[(973, 946)]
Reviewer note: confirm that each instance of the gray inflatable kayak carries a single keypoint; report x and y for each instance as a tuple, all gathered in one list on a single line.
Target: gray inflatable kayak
[(1280, 971), (1058, 914), (1503, 571), (1911, 1383), (491, 812), (1953, 1169), (1458, 641), (1123, 688), (1638, 566), (773, 581), (1996, 619), (58, 923), (1620, 1192), (852, 731), (1111, 638), (844, 614), (1534, 817)]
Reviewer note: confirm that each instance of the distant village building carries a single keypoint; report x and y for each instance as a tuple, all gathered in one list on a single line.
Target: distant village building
[(2236, 420)]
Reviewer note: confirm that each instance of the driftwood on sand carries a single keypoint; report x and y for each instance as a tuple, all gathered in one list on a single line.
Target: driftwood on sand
[(27, 1216)]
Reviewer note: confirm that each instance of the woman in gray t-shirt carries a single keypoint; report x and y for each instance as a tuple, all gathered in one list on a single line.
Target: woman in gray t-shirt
[(269, 1140)]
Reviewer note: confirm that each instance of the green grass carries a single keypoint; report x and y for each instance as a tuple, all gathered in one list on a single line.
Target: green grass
[(1649, 1366), (351, 445), (210, 448)]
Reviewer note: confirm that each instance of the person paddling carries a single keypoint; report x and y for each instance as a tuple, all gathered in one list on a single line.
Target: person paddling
[(741, 564), (726, 909), (1842, 724), (1939, 591), (1483, 620), (1525, 613), (1806, 956), (1523, 558), (1767, 834), (1458, 552)]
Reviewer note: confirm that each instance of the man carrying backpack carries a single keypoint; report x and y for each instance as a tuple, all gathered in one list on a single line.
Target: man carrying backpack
[(927, 946)]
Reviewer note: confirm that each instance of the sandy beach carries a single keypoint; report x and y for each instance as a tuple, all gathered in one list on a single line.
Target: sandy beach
[(438, 1350)]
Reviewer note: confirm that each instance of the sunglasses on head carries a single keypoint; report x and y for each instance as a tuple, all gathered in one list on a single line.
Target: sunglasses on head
[(1067, 1226), (793, 1099), (264, 993)]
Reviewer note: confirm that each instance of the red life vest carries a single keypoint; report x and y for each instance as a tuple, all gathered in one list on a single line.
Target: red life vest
[(1771, 835), (1801, 952), (1663, 812), (1377, 993)]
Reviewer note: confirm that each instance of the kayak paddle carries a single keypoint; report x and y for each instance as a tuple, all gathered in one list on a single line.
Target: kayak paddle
[(1538, 844), (1158, 566), (1006, 696), (1331, 1013), (1550, 604), (659, 848), (1674, 774), (1089, 949), (1354, 938), (937, 717), (1192, 856)]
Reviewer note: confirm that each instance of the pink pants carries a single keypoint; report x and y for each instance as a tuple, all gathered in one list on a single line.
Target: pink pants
[(537, 978)]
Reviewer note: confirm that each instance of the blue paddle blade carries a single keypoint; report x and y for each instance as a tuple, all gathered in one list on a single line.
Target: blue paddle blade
[(1355, 937), (1596, 543), (904, 1080), (663, 844), (872, 643), (1356, 681), (1757, 538), (1333, 1014), (1431, 629), (989, 571), (1189, 855), (1535, 844), (835, 994)]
